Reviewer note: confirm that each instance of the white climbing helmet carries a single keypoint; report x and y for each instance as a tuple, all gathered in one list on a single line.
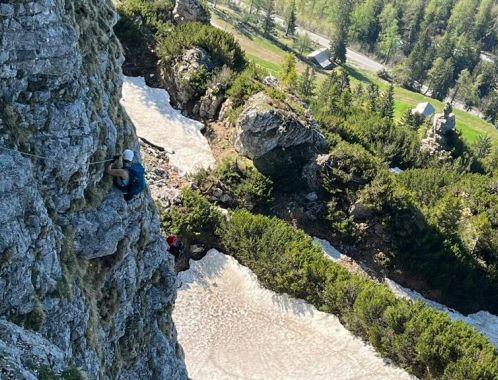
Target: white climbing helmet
[(128, 155)]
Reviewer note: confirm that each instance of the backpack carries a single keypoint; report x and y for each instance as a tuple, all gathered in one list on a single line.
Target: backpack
[(136, 173)]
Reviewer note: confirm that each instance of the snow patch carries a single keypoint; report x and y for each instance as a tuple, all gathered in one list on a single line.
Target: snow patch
[(485, 322), (329, 250), (157, 121), (231, 327)]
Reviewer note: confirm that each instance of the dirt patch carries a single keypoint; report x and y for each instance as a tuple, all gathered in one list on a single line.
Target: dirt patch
[(220, 137)]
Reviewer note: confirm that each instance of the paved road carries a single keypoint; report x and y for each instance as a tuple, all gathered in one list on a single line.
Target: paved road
[(353, 57)]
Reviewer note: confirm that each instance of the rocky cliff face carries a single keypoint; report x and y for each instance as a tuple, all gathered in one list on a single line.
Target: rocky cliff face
[(85, 280)]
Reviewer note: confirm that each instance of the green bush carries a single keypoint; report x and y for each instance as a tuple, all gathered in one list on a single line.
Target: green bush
[(141, 21), (36, 318), (70, 373), (222, 47), (351, 168), (246, 84), (422, 340), (245, 185), (194, 217)]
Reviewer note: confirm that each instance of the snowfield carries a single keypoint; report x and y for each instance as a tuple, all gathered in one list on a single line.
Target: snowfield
[(485, 322), (230, 327), (158, 122)]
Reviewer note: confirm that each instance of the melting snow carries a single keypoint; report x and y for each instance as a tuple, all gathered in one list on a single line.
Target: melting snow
[(329, 250), (483, 321), (230, 327), (158, 122)]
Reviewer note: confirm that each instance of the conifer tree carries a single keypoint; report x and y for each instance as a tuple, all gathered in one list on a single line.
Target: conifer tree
[(306, 85), (440, 77), (389, 38), (269, 20), (291, 19), (483, 146), (373, 96), (289, 72), (420, 58), (387, 104), (466, 89), (341, 22)]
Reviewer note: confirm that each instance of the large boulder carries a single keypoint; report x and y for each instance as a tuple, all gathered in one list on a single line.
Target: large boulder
[(279, 136), (181, 78), (437, 138), (189, 11)]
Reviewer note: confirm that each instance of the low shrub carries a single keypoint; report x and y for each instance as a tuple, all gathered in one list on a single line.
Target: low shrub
[(194, 217), (245, 185), (221, 46), (246, 84), (140, 21)]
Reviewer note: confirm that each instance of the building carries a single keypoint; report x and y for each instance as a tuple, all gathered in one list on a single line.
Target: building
[(426, 109), (321, 57)]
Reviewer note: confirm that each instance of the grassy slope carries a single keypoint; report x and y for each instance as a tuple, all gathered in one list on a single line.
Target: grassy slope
[(266, 54), (470, 125)]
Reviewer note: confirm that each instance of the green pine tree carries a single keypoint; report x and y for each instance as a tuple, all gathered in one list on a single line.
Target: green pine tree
[(269, 20), (466, 89), (341, 22), (306, 84), (387, 104), (440, 77), (291, 20), (289, 72)]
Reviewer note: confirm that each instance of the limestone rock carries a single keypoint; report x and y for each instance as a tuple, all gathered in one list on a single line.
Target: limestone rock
[(19, 347), (225, 109), (190, 10), (443, 124), (266, 124), (312, 197), (180, 78), (312, 172), (209, 105), (271, 81), (84, 277), (280, 137), (359, 211)]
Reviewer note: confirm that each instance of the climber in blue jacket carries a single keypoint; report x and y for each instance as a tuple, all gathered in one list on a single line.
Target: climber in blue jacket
[(130, 179)]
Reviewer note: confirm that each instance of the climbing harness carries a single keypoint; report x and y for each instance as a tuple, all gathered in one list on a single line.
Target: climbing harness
[(49, 158)]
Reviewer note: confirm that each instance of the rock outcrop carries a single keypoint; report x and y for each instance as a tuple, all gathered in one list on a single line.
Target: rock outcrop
[(277, 134), (183, 77), (209, 105), (442, 126), (314, 170), (266, 124), (85, 279), (190, 10)]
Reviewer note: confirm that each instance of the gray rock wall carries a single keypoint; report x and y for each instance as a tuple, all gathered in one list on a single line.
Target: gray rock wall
[(85, 279)]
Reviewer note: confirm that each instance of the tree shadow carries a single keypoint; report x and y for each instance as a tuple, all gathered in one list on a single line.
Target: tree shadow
[(356, 74)]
